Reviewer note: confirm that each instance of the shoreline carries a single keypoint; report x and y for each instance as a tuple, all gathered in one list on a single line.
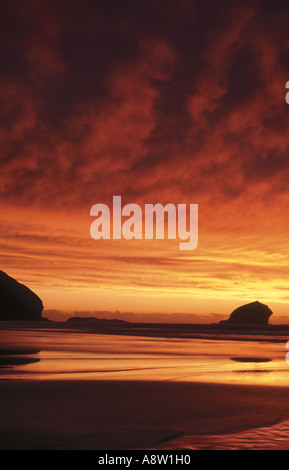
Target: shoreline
[(129, 415), (270, 334)]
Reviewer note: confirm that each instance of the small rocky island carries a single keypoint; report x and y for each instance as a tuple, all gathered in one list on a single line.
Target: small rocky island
[(255, 313), (18, 302)]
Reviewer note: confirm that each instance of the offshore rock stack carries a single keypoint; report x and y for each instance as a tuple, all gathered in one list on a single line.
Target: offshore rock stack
[(255, 314)]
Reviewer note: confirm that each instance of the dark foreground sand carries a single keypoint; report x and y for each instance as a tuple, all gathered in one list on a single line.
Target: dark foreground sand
[(129, 415)]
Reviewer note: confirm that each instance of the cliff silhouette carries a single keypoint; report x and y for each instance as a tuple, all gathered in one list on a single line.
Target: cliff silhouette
[(18, 302)]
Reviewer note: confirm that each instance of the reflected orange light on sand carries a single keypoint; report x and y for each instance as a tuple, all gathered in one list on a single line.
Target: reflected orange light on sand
[(76, 355)]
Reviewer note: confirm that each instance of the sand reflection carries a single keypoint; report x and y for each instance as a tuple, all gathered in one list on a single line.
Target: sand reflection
[(50, 354)]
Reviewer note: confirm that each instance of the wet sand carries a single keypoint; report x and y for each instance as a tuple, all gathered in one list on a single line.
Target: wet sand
[(114, 415)]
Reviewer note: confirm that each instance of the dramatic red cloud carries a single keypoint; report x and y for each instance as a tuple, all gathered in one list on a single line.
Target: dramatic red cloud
[(181, 103)]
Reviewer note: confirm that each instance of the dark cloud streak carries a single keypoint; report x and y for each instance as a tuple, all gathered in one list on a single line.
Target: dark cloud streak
[(72, 110)]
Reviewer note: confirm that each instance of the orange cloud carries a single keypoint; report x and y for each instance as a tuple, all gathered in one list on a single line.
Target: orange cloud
[(156, 103)]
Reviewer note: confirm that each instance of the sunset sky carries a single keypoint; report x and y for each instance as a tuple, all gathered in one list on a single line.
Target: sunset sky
[(160, 102)]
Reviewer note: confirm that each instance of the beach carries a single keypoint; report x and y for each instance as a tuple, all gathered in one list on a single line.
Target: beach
[(66, 388), (110, 415)]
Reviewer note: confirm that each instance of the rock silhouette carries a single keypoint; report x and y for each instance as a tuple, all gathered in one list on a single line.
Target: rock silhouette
[(18, 302), (254, 313), (92, 321)]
